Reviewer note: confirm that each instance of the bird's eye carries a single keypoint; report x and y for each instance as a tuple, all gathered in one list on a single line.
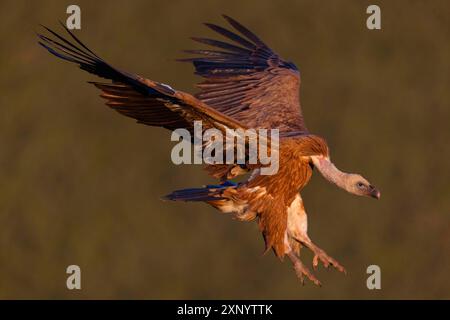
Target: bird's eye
[(360, 185)]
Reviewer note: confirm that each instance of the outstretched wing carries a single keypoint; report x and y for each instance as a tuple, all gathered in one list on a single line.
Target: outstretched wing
[(246, 80), (149, 102)]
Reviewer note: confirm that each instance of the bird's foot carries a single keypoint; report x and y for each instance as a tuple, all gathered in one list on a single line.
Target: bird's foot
[(301, 270), (322, 256)]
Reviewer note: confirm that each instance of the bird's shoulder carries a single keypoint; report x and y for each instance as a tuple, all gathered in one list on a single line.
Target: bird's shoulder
[(304, 145)]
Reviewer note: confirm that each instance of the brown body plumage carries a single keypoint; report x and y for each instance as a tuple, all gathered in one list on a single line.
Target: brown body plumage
[(247, 86), (282, 188)]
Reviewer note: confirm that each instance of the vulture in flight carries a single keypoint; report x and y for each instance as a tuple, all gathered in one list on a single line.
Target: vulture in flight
[(246, 85)]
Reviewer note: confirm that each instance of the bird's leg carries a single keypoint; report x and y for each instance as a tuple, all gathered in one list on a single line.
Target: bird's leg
[(300, 269), (297, 229)]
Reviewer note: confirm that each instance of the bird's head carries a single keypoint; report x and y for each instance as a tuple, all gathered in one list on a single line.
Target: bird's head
[(358, 185), (350, 182)]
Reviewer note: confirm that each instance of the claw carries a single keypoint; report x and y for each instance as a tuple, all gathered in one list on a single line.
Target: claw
[(301, 270), (320, 255), (315, 262)]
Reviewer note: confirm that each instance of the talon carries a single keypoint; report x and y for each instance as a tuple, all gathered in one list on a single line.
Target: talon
[(327, 261), (315, 262), (302, 271)]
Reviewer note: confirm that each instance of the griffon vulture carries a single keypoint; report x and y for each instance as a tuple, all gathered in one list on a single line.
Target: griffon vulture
[(247, 85)]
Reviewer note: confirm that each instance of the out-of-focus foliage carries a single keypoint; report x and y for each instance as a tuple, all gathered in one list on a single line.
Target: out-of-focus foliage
[(80, 184)]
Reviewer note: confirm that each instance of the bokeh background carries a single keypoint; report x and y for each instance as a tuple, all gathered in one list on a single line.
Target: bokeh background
[(80, 184)]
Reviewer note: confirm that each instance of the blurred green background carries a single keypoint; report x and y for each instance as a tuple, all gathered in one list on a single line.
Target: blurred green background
[(80, 184)]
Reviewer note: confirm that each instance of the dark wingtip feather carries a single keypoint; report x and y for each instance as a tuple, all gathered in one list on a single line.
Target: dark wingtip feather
[(231, 35), (78, 40), (221, 44), (229, 19), (243, 30), (165, 198), (189, 60), (57, 54)]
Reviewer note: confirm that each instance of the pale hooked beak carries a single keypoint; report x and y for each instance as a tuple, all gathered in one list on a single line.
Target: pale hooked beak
[(374, 192)]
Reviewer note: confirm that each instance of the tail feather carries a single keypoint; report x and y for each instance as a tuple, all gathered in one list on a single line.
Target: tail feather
[(205, 194), (193, 194)]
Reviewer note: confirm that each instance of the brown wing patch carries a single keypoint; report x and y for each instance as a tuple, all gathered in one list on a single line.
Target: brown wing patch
[(149, 110), (248, 81), (147, 101)]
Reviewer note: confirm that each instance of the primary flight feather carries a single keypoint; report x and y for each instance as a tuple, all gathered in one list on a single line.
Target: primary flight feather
[(246, 86)]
